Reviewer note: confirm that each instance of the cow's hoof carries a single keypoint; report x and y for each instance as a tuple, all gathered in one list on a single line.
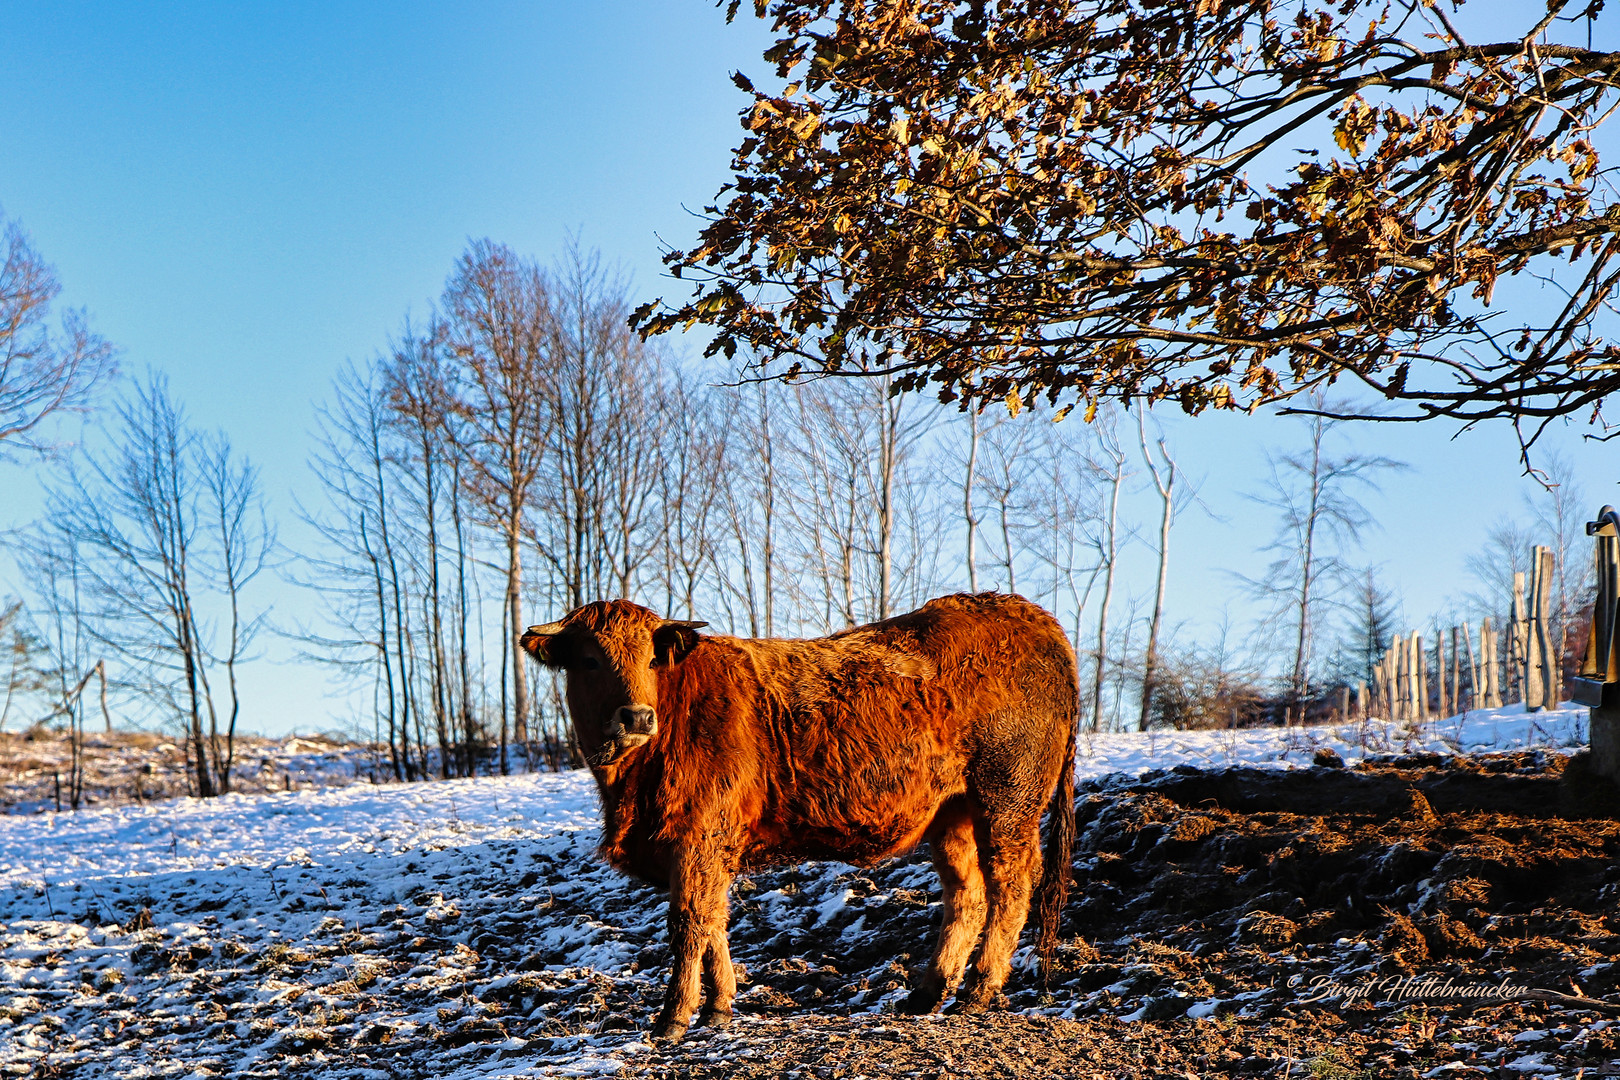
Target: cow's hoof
[(921, 1001), (668, 1030), (976, 1000), (715, 1019)]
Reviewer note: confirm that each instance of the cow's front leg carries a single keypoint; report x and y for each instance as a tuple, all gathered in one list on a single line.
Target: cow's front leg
[(719, 980), (697, 918)]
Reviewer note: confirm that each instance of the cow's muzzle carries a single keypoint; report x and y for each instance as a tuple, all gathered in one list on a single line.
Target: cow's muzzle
[(632, 726)]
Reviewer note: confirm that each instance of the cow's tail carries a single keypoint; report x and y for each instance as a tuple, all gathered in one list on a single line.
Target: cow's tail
[(1054, 889)]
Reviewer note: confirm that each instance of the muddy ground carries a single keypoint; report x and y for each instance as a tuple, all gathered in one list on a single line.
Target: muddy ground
[(1325, 922), (1394, 894)]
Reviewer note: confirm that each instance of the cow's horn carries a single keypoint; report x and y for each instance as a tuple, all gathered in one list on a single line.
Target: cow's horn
[(692, 624), (549, 628)]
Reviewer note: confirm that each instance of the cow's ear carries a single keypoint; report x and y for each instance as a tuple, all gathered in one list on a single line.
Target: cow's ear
[(547, 644), (673, 640)]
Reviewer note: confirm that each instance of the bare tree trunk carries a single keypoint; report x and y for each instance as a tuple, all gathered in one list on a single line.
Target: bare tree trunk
[(1165, 485), (508, 648), (101, 673), (768, 508), (382, 651), (440, 681), (968, 519), (1116, 480), (405, 690), (514, 608), (199, 746), (1297, 684), (889, 451), (469, 739)]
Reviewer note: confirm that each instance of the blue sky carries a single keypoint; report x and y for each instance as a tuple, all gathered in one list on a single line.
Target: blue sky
[(244, 196)]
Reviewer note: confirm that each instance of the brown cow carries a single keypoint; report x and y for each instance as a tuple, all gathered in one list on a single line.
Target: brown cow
[(954, 724)]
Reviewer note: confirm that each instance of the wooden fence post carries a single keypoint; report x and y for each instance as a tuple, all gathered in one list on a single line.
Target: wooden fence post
[(1518, 641), (1456, 676), (1540, 675), (1552, 652), (1475, 688), (1441, 702), (1420, 707), (1489, 657), (1392, 686), (1403, 710), (1386, 685), (1403, 679)]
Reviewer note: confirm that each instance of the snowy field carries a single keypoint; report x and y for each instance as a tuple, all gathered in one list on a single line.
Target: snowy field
[(246, 934)]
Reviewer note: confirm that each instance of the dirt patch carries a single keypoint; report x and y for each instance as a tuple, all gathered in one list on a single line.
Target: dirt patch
[(1320, 922), (1003, 1045)]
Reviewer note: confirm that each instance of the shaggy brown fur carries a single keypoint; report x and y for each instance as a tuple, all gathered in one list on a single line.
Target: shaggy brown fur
[(954, 724)]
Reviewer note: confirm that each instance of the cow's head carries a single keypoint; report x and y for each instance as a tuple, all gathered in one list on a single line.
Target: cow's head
[(610, 652)]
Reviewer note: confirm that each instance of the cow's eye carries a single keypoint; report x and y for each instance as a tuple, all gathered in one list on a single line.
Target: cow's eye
[(589, 663)]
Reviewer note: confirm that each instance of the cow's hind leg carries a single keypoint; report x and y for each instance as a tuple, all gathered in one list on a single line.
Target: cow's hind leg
[(719, 983), (956, 857), (697, 915), (1012, 858)]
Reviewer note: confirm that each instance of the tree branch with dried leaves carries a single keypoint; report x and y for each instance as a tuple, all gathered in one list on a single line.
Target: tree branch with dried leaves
[(1220, 204)]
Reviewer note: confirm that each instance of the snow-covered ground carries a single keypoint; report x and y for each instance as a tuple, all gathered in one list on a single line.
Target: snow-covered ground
[(1479, 731), (127, 933)]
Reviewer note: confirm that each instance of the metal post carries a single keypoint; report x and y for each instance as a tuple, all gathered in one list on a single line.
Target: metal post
[(1598, 684)]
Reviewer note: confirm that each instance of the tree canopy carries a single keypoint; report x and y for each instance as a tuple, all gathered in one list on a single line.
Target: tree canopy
[(1221, 203)]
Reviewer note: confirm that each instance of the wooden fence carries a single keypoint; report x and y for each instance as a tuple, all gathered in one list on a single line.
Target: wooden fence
[(1474, 669)]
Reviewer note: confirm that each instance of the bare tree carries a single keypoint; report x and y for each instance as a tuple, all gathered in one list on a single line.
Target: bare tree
[(1506, 552), (598, 521), (243, 542), (1006, 477), (499, 314), (26, 658), (970, 523), (43, 371), (694, 449), (1315, 496), (1163, 472), (359, 582), (852, 447), (830, 450), (420, 396), (1109, 464), (162, 525), (52, 562), (749, 497), (1561, 510), (1068, 507)]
